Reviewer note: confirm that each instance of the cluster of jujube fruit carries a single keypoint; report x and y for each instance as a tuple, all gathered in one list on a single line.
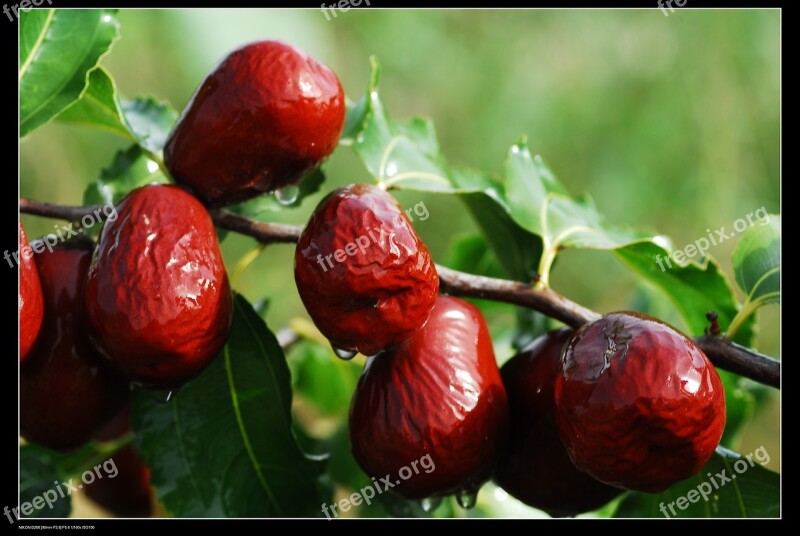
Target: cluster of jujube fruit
[(625, 402)]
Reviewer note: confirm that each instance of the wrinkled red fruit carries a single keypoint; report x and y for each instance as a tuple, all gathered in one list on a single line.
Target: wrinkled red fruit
[(366, 279), (536, 468), (67, 390), (437, 398), (263, 118), (127, 493), (31, 303), (638, 404), (158, 297)]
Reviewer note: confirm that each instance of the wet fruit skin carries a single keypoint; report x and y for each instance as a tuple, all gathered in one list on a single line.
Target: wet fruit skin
[(68, 391), (536, 468), (263, 118), (157, 297), (381, 294), (440, 394), (128, 494), (638, 404), (31, 302)]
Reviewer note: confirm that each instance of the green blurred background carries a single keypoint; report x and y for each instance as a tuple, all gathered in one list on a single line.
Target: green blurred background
[(670, 123)]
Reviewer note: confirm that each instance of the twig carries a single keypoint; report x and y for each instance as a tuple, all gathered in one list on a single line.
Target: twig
[(722, 352)]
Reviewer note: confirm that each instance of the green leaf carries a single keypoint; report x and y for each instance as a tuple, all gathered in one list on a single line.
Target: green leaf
[(757, 265), (144, 121), (43, 473), (323, 379), (58, 49), (406, 155), (98, 106), (694, 289), (149, 121), (751, 492), (527, 216), (39, 476), (130, 169), (223, 446)]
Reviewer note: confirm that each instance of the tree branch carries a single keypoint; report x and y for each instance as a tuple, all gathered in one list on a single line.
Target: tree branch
[(722, 352)]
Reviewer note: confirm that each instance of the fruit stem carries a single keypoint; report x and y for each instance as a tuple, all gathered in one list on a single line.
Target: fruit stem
[(245, 261), (744, 313), (545, 264)]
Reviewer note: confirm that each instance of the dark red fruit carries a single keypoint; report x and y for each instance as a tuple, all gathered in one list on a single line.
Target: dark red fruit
[(536, 468), (439, 396), (638, 404), (158, 297), (263, 118), (365, 277), (67, 390), (128, 493), (31, 303)]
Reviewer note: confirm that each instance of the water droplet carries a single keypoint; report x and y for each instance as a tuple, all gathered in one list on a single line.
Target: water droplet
[(162, 396), (467, 498), (344, 354), (429, 504), (287, 195)]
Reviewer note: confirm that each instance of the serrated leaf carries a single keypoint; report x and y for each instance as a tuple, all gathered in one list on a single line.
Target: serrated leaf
[(223, 446), (149, 121), (694, 289), (142, 120), (58, 49), (130, 169), (757, 261), (406, 155), (751, 492), (527, 215), (98, 106)]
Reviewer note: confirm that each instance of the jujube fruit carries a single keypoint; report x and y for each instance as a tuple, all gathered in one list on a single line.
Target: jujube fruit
[(68, 391), (439, 395), (638, 404), (536, 468), (127, 493), (365, 277), (264, 117), (158, 298), (31, 302)]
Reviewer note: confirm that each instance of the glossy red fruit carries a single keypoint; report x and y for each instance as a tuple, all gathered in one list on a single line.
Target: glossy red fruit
[(67, 390), (638, 404), (31, 302), (158, 298), (125, 488), (437, 398), (365, 277), (264, 117), (536, 468)]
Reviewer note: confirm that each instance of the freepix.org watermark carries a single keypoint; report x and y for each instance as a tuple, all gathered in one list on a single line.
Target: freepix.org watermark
[(25, 5), (367, 493), (667, 4), (61, 490), (342, 5), (706, 488), (63, 232), (368, 239), (700, 246)]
